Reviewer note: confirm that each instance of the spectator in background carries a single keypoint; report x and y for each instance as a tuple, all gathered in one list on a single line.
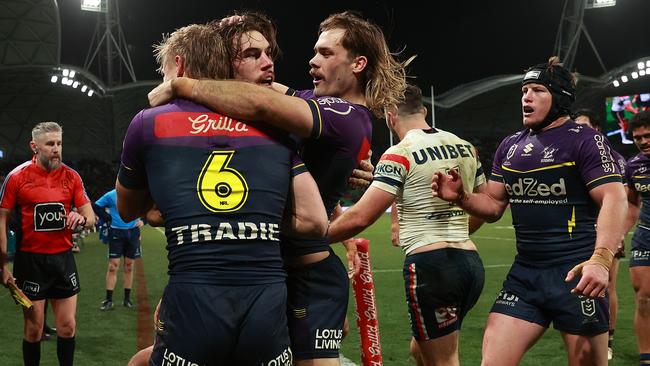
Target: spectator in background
[(638, 195), (45, 191), (587, 117), (123, 241), (562, 172)]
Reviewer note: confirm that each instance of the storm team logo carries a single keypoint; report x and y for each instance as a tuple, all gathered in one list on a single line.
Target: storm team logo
[(49, 216)]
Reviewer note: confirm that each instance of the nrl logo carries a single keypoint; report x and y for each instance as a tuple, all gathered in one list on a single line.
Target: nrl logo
[(588, 307), (511, 151)]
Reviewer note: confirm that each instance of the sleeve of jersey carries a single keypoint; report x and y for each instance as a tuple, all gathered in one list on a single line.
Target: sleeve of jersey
[(104, 200), (497, 167), (80, 195), (297, 166), (132, 174), (8, 193), (595, 162), (391, 170), (480, 175)]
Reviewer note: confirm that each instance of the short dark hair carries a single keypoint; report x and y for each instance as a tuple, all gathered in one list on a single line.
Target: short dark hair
[(641, 119), (593, 118), (412, 102)]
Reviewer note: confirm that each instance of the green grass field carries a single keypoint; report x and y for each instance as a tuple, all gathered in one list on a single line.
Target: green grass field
[(109, 338)]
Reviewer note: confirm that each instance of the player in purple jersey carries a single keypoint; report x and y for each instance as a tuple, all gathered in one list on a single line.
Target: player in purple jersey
[(587, 117), (221, 186), (561, 172), (355, 76), (638, 194)]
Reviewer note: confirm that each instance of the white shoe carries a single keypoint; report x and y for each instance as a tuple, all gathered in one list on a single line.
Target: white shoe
[(610, 353)]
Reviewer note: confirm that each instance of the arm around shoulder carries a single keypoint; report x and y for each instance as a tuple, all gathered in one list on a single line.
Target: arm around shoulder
[(305, 214)]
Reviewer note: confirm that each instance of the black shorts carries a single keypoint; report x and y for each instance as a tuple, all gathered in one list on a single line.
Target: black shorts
[(213, 325), (640, 252), (46, 276), (540, 295), (318, 302), (441, 287), (124, 243)]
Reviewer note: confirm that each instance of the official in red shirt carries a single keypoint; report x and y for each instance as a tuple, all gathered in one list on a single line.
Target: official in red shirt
[(44, 191)]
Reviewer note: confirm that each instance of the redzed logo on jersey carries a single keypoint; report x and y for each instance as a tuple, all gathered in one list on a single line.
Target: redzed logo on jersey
[(49, 216)]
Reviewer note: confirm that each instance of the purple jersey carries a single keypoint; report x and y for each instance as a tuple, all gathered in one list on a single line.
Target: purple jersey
[(637, 176), (221, 186), (548, 177), (340, 139)]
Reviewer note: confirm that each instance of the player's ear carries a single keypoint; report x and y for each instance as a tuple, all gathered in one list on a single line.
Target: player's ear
[(359, 64), (180, 65), (32, 145)]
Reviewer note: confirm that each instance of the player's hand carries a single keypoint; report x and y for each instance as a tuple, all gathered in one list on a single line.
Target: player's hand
[(593, 282), (234, 19), (362, 176), (7, 276), (139, 223), (74, 219), (394, 235), (354, 261), (155, 315), (448, 187), (161, 94)]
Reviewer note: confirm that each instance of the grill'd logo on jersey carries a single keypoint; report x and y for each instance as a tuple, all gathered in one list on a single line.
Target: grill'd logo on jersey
[(180, 124), (49, 216), (442, 152), (531, 187)]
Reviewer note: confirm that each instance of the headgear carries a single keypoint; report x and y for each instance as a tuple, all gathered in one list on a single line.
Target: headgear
[(559, 82)]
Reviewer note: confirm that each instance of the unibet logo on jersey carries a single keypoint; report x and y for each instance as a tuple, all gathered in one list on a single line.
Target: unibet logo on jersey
[(531, 187), (49, 216)]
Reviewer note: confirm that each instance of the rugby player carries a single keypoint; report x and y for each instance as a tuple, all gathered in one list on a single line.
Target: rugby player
[(433, 234), (355, 76), (221, 186), (555, 174), (638, 194)]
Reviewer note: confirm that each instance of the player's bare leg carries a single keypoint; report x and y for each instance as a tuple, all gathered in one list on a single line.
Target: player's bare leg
[(441, 351), (640, 276), (507, 339), (586, 351), (33, 321)]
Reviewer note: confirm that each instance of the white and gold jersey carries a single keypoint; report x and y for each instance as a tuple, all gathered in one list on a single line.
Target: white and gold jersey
[(406, 169)]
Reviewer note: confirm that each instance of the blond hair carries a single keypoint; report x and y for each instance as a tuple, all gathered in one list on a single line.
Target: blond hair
[(45, 127), (202, 48), (384, 78)]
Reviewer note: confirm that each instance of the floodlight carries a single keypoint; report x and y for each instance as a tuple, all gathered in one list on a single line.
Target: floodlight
[(641, 65), (54, 79), (75, 84), (647, 71), (635, 75), (624, 78), (64, 80), (90, 92), (98, 6), (616, 83), (72, 73), (83, 89), (647, 63), (69, 82), (65, 72), (642, 72)]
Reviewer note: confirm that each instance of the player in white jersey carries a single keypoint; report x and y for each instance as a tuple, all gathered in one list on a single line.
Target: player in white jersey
[(442, 271)]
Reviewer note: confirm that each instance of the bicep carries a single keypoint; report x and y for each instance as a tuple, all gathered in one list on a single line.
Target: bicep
[(611, 190), (131, 203)]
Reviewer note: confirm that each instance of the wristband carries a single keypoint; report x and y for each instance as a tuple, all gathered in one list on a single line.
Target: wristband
[(602, 256)]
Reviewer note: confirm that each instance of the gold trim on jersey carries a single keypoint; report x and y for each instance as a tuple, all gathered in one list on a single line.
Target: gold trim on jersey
[(568, 163), (604, 176), (320, 118)]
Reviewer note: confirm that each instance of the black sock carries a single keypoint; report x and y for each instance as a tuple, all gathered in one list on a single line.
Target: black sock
[(31, 353), (611, 338), (109, 295), (65, 350), (127, 294), (644, 359)]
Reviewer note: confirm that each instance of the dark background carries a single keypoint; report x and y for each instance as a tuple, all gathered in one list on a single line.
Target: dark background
[(456, 42)]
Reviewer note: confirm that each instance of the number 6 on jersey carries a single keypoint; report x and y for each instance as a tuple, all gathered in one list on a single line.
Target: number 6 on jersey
[(220, 188)]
